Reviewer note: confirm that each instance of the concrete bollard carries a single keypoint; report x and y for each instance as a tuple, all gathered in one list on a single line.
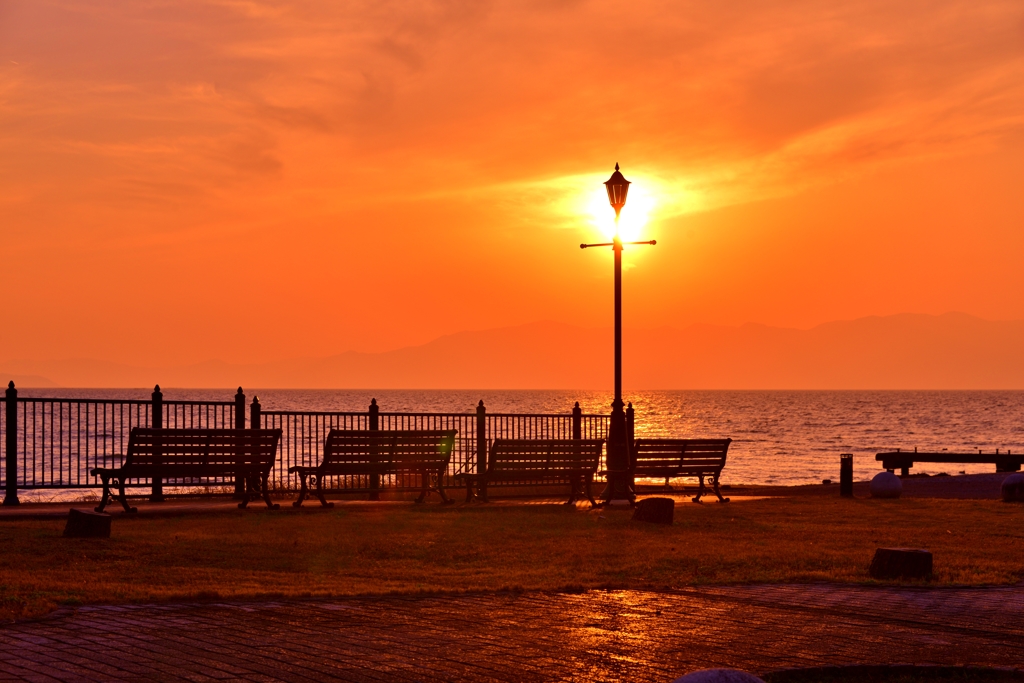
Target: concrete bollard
[(886, 485), (846, 475), (1013, 488)]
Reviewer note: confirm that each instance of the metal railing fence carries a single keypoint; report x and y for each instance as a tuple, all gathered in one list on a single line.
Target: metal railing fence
[(53, 443), (303, 434)]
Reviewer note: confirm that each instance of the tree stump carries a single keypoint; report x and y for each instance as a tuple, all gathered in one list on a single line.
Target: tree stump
[(901, 563), (1013, 489), (87, 524), (656, 510)]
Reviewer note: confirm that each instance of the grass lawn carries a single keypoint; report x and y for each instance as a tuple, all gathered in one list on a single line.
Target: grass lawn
[(405, 548)]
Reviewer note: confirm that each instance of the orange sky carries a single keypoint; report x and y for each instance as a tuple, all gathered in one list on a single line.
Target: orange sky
[(253, 181)]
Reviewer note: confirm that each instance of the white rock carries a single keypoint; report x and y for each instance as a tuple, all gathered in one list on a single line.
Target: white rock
[(718, 676), (886, 485), (1013, 488)]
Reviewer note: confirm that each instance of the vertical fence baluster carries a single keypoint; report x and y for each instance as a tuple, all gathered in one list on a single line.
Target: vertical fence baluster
[(78, 434), (24, 438)]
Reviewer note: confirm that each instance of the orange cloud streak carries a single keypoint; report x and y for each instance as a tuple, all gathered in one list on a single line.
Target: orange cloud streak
[(259, 180)]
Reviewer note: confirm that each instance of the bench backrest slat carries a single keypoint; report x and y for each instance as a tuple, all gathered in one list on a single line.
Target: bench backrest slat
[(684, 455), (402, 448), (544, 456), (202, 447)]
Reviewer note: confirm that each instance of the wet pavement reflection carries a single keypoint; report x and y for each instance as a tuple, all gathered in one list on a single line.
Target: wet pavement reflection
[(587, 636)]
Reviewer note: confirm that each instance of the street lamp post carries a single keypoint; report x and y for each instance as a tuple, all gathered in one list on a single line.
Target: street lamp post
[(620, 489)]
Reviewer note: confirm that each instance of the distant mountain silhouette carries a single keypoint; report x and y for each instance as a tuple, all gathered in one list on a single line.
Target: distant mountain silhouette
[(906, 351), (26, 380)]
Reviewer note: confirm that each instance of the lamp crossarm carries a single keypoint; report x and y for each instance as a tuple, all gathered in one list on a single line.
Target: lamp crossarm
[(612, 244)]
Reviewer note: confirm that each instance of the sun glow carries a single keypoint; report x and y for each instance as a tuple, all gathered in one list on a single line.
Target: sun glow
[(635, 215)]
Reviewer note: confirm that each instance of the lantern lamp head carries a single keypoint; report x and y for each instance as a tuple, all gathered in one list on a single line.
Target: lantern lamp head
[(617, 187)]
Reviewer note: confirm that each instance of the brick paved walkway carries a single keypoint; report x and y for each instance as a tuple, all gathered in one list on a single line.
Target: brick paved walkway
[(617, 635)]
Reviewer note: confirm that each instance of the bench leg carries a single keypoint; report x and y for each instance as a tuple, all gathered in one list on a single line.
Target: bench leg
[(239, 486), (375, 486), (586, 487), (105, 496), (481, 491), (265, 486), (445, 500), (157, 495), (700, 489), (717, 492), (574, 492), (424, 490), (320, 491), (303, 490), (122, 498), (469, 490), (904, 471), (250, 487)]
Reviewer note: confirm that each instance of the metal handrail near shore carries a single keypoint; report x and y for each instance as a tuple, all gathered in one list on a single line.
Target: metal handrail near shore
[(53, 443), (303, 434)]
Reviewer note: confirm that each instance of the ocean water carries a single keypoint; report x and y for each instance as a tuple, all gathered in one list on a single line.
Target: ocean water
[(779, 437)]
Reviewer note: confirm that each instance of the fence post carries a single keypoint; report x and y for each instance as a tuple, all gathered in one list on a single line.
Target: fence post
[(629, 426), (239, 424), (481, 438), (630, 447), (240, 409), (254, 413), (374, 425), (577, 422), (11, 406), (255, 422), (157, 422)]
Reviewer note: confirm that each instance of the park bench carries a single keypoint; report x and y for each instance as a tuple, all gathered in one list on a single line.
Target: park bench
[(669, 458), (373, 454), (904, 460), (194, 454), (570, 461)]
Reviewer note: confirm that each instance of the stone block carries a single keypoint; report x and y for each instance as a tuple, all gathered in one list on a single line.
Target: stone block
[(1013, 488), (87, 524), (901, 563), (656, 510), (886, 485)]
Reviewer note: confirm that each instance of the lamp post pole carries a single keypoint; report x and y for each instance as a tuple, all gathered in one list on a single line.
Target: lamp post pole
[(619, 490)]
